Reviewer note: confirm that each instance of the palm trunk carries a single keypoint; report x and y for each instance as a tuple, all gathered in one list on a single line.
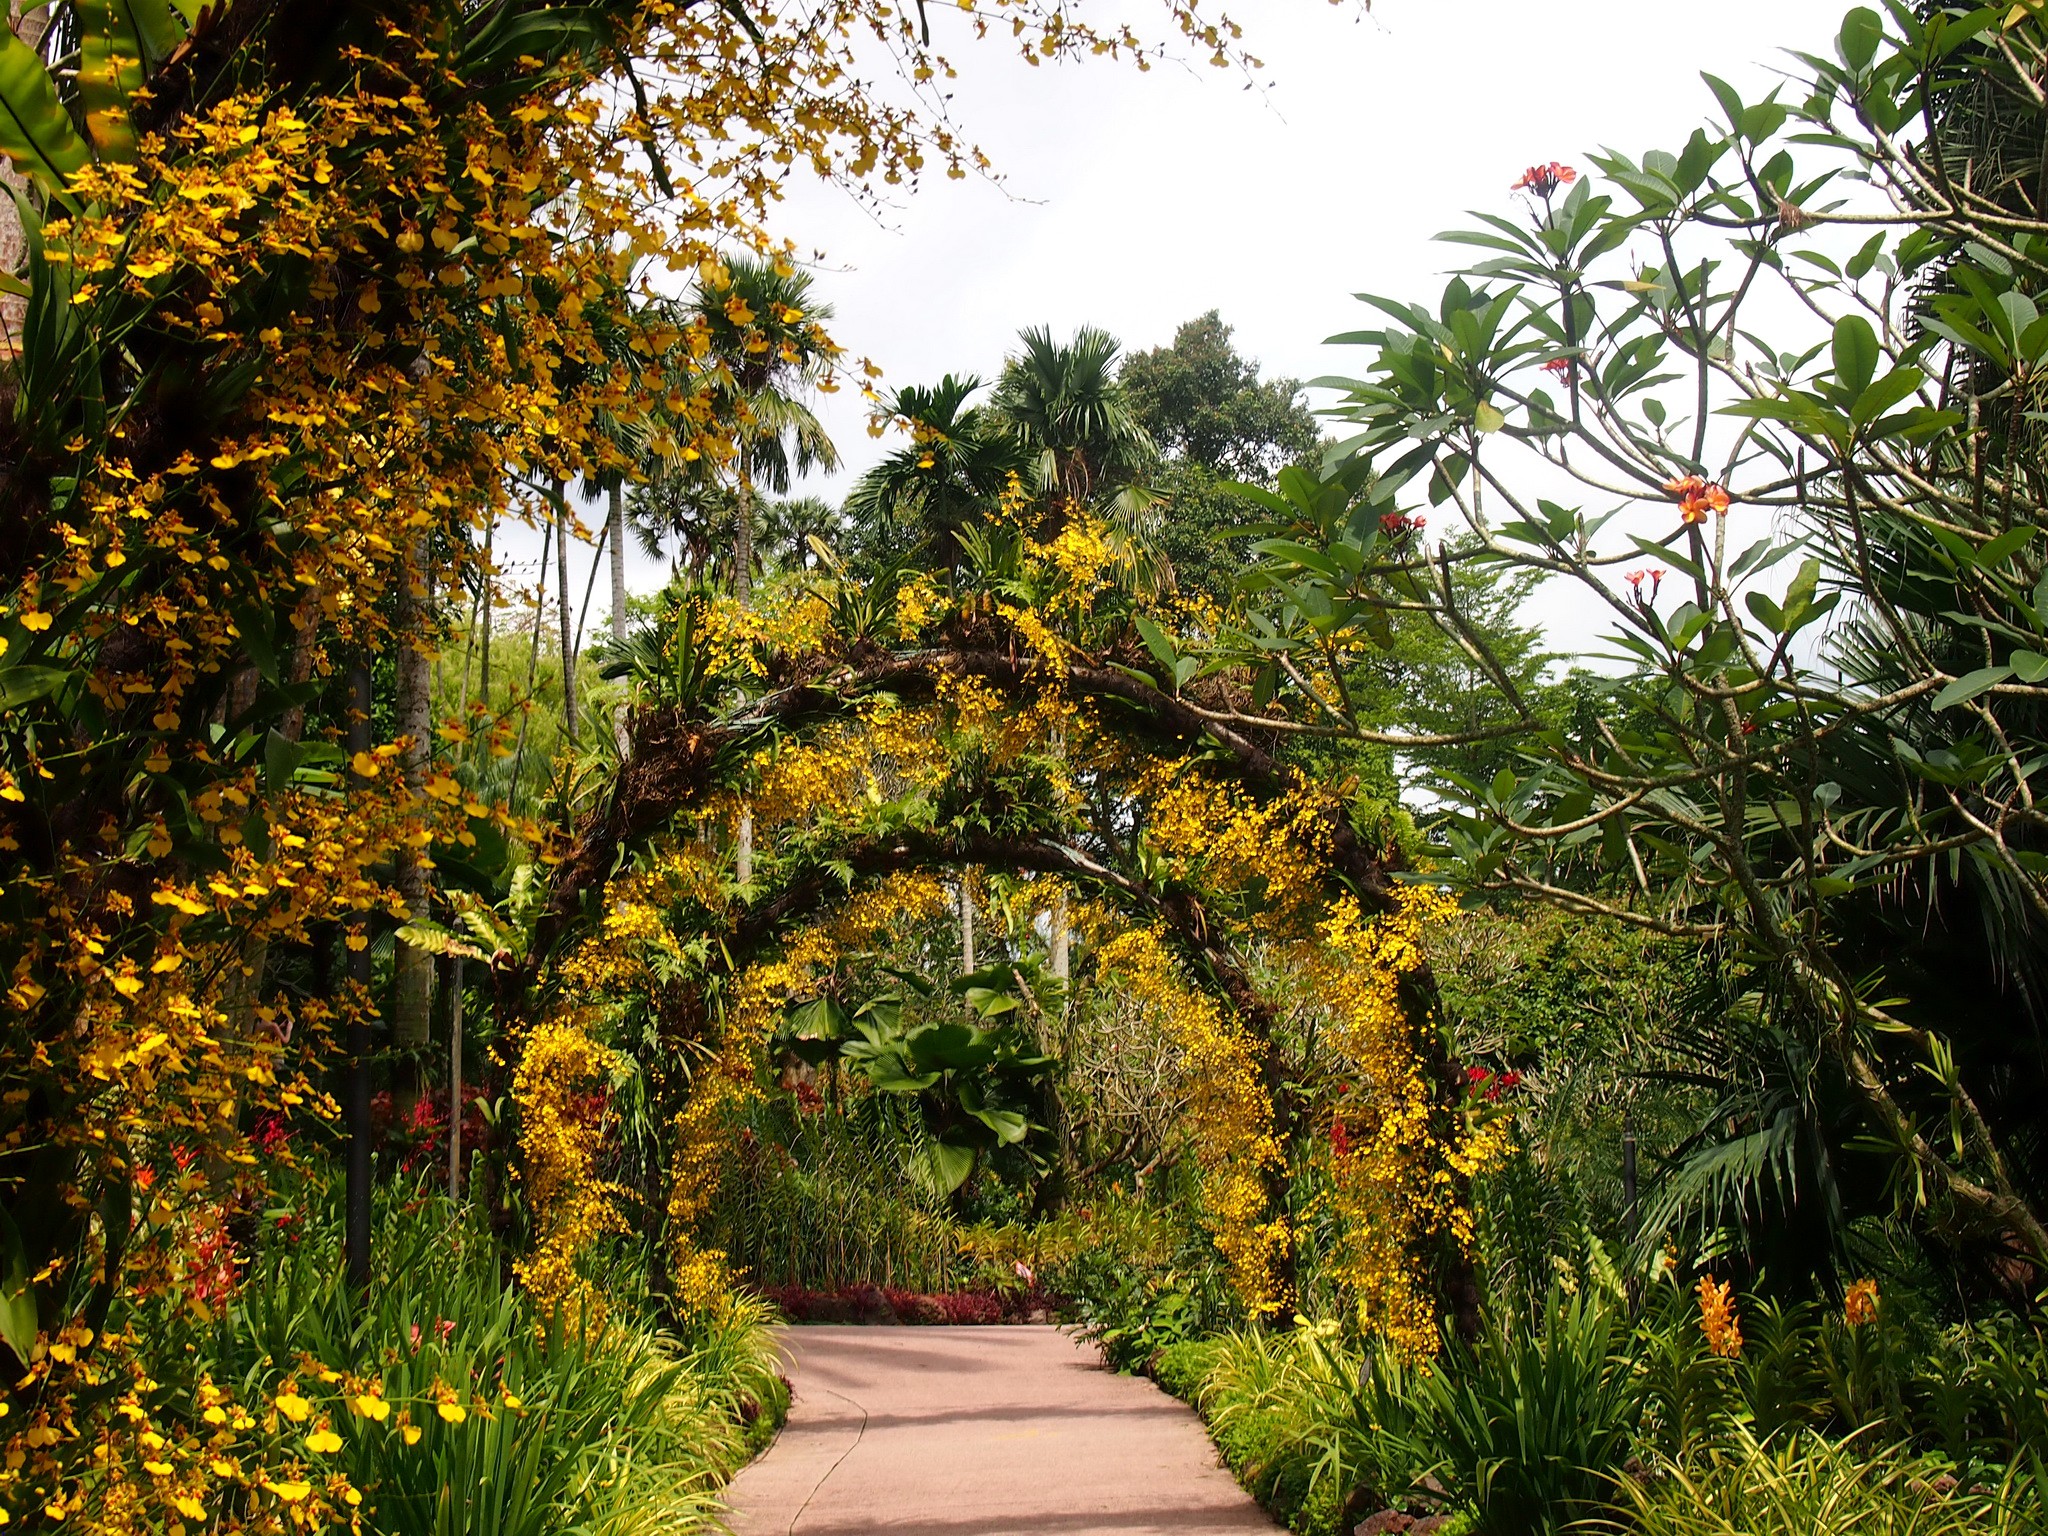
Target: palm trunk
[(615, 522), (13, 240), (966, 927), (490, 599), (743, 532), (540, 614), (1061, 938), (743, 590), (562, 587), (412, 968)]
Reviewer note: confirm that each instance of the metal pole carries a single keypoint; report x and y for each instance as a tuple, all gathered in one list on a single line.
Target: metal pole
[(356, 1245)]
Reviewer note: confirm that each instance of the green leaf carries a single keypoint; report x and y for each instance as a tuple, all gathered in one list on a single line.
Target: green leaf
[(35, 130), (2005, 546), (1967, 687), (949, 1165), (436, 940), (1856, 354), (17, 1294), (1857, 43), (1158, 643), (109, 74), (1884, 394), (2029, 666), (21, 685)]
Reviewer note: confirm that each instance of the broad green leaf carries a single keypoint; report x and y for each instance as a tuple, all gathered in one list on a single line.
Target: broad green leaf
[(22, 685), (1967, 687), (1855, 354), (2005, 546), (17, 1295), (949, 1165), (35, 130), (1884, 394), (109, 73), (2029, 666)]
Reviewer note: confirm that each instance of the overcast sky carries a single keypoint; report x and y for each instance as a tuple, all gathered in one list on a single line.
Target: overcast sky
[(1138, 200)]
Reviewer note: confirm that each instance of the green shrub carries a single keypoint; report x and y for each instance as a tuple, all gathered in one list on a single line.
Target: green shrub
[(1524, 1425), (550, 1425), (1805, 1484)]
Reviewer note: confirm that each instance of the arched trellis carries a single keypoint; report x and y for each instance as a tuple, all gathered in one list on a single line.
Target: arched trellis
[(680, 759)]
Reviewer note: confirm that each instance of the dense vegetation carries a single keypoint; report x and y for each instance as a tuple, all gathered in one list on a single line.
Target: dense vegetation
[(1136, 860)]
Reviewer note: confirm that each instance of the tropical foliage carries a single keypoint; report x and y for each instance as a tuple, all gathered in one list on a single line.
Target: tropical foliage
[(1138, 858)]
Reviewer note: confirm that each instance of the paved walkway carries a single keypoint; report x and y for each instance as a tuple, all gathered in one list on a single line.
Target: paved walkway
[(981, 1432)]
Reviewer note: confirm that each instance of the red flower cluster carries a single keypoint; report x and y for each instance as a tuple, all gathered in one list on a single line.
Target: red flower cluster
[(808, 1099), (1559, 367), (1636, 579), (1396, 525), (1697, 497), (216, 1268), (1340, 1138), (1545, 179), (1479, 1081)]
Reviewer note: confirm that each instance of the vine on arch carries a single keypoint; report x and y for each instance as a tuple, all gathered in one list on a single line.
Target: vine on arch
[(1020, 729)]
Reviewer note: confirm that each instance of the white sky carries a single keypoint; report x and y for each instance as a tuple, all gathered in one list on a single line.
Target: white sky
[(1136, 201)]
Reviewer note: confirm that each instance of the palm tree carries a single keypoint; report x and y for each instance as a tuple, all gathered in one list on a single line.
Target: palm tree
[(1065, 405), (790, 524), (685, 512), (766, 349), (957, 464)]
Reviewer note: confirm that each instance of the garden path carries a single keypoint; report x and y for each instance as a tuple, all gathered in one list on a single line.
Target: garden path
[(1001, 1431)]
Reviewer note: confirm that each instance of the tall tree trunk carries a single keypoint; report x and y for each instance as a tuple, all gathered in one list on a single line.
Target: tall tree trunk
[(562, 588), (615, 521), (540, 614), (412, 968), (966, 927), (743, 531), (30, 28), (743, 590), (455, 1079), (1062, 938), (490, 601)]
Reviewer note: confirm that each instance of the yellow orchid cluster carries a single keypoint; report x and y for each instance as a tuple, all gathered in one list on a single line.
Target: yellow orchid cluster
[(1400, 1160), (559, 1089), (1230, 1114)]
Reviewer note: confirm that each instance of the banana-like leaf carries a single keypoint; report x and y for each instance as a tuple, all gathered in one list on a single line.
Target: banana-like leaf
[(159, 28), (35, 132), (118, 41), (17, 1295)]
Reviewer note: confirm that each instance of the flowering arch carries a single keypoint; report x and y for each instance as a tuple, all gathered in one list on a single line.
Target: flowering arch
[(863, 757)]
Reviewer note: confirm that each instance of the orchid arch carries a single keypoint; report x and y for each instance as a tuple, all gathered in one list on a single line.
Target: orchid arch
[(1032, 719)]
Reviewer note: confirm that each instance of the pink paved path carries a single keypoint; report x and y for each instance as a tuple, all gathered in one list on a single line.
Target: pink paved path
[(981, 1432)]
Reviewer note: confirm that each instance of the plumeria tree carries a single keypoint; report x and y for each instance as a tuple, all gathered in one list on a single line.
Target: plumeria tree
[(1770, 405)]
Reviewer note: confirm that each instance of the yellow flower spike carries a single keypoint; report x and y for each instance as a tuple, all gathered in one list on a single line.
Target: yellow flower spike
[(323, 1442), (294, 1407), (373, 1406)]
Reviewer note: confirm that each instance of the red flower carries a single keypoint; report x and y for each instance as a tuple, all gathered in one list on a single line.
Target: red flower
[(1545, 179), (1340, 1138), (1560, 366), (1395, 525), (1635, 580), (1696, 497)]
